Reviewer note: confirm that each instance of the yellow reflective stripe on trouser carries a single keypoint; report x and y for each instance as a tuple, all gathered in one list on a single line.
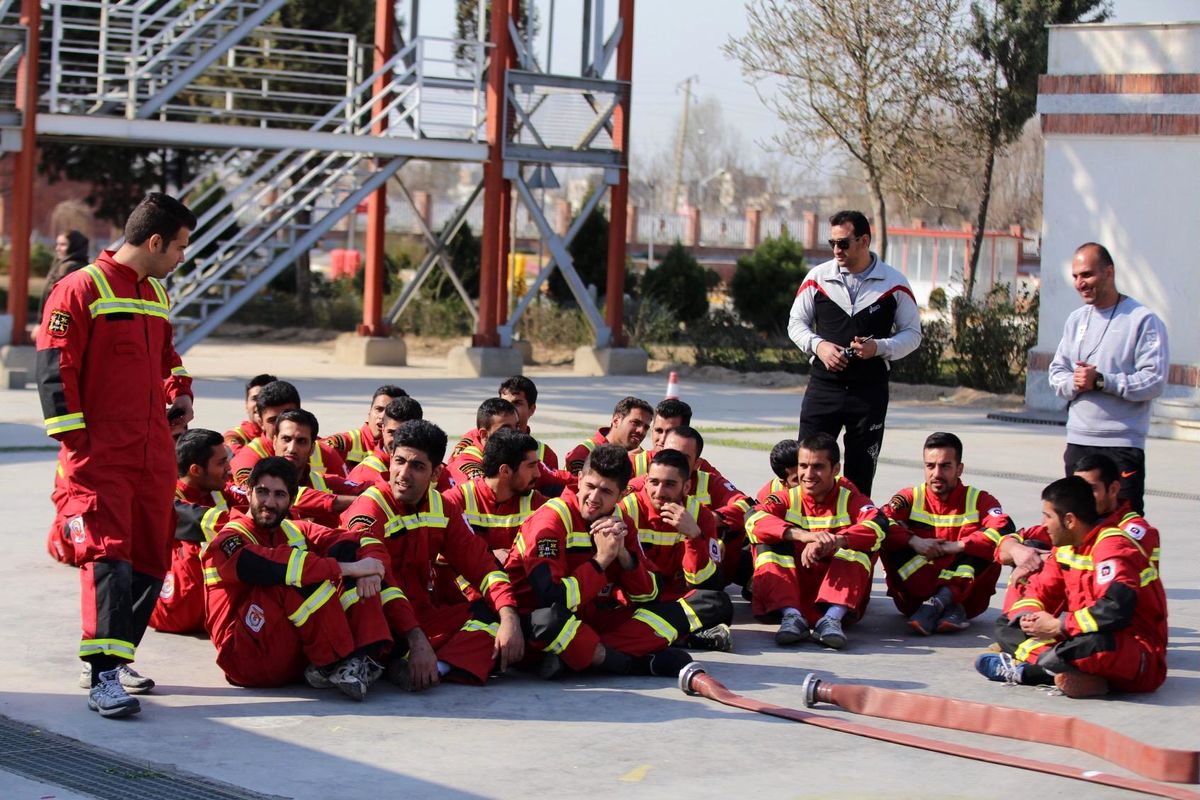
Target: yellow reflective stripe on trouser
[(107, 647), (491, 579), (706, 572), (490, 628), (1028, 646), (391, 593), (661, 627), (571, 590), (862, 559), (771, 557), (211, 576), (295, 567), (349, 598), (1085, 620), (67, 422), (313, 604), (693, 618), (911, 566), (653, 593), (965, 571), (565, 636)]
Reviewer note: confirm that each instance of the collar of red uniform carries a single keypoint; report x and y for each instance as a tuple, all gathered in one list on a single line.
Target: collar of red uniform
[(251, 428), (954, 499), (106, 258), (368, 435), (190, 493)]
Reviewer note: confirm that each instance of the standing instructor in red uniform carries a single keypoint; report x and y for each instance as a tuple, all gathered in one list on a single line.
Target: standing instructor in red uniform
[(107, 371)]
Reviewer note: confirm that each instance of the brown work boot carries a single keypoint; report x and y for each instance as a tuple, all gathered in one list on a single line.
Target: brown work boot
[(1074, 683)]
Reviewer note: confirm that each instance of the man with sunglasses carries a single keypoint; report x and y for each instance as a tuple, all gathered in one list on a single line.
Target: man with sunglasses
[(854, 315)]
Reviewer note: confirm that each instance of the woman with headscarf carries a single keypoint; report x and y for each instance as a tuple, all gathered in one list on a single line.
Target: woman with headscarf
[(70, 254)]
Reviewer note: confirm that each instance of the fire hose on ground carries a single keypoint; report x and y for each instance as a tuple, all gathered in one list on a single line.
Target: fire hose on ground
[(1157, 763)]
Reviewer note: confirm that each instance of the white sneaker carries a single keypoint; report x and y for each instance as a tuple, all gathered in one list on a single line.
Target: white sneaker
[(130, 679)]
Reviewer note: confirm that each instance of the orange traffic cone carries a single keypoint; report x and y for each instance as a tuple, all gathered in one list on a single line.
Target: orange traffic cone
[(673, 385)]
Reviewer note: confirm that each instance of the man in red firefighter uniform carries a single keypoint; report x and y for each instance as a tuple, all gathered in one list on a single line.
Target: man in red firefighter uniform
[(523, 394), (286, 599), (251, 427), (106, 372), (1095, 616), (272, 401), (784, 457), (436, 637), (321, 496), (939, 552), (374, 468), (494, 414), (584, 586), (353, 446), (630, 423), (203, 502), (814, 550), (679, 537)]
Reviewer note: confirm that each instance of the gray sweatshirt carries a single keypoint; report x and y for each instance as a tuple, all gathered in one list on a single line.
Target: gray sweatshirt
[(1128, 346)]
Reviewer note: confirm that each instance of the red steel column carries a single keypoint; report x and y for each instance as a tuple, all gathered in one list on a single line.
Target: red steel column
[(493, 182), (506, 206), (385, 47), (619, 196), (23, 163)]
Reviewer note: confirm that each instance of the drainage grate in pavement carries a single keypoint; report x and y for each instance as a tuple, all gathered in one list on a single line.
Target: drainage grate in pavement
[(72, 764)]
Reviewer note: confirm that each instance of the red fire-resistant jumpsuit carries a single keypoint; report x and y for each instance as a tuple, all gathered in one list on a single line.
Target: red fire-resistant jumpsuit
[(1116, 611), (353, 446), (106, 370), (843, 578), (245, 433), (275, 600), (462, 634), (569, 604), (967, 515), (550, 476), (198, 517), (374, 469)]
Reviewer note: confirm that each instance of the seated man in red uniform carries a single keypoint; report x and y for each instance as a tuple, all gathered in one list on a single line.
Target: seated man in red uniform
[(668, 414), (353, 446), (250, 428), (585, 588), (783, 459), (679, 537), (630, 423), (523, 394), (939, 552), (494, 414), (203, 501), (436, 636), (374, 468), (274, 399), (1095, 616), (814, 550), (272, 591), (321, 496)]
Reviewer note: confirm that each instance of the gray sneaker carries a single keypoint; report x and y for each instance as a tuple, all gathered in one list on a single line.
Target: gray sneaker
[(954, 619), (316, 678), (110, 698), (828, 631), (372, 670), (347, 677), (130, 679), (793, 630)]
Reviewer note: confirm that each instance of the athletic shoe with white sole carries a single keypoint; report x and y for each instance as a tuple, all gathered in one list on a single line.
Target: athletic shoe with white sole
[(109, 697), (999, 667), (348, 678), (130, 679)]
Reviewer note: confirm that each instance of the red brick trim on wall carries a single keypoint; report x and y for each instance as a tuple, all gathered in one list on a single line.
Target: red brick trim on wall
[(1183, 83), (1177, 374), (1123, 124)]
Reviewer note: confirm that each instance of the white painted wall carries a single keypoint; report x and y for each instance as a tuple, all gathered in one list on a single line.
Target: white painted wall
[(1134, 49)]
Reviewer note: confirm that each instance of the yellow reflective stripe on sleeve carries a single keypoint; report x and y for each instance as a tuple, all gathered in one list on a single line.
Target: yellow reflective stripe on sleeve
[(366, 540), (391, 593), (659, 625), (312, 604), (697, 578), (180, 372), (862, 559), (993, 535), (295, 567), (1154, 557), (107, 647), (1085, 621), (911, 566), (964, 571), (1027, 602), (870, 523), (571, 591), (771, 557), (493, 578), (1149, 576), (490, 628), (653, 593), (64, 423), (294, 536), (693, 618), (349, 598), (1025, 648), (565, 636), (211, 576)]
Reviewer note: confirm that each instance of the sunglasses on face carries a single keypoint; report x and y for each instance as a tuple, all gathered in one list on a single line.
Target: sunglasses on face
[(842, 244)]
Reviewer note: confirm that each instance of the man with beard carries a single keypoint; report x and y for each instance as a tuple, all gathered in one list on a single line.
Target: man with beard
[(272, 591), (630, 423), (353, 446), (321, 496), (438, 637), (250, 428)]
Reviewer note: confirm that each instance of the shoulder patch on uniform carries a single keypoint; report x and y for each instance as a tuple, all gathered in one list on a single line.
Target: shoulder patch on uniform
[(364, 520), (729, 486), (237, 489), (867, 507), (58, 322), (1136, 531), (772, 498), (714, 550), (1106, 571), (996, 512), (231, 544), (899, 502), (547, 548)]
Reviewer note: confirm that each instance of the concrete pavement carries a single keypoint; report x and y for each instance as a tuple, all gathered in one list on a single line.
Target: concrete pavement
[(518, 736)]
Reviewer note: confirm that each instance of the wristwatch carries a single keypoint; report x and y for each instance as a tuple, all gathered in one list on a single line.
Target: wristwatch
[(1099, 382)]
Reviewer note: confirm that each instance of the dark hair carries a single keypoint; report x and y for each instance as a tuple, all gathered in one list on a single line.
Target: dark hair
[(627, 404), (519, 384), (687, 432), (259, 380), (490, 409), (610, 461), (1072, 495), (275, 467), (1108, 469), (404, 409), (1102, 255), (422, 435), (941, 439), (300, 417), (195, 446), (506, 447), (785, 453), (158, 213), (673, 458), (854, 218), (389, 390), (672, 408), (276, 394), (821, 443)]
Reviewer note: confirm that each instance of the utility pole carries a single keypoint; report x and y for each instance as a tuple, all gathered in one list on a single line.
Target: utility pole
[(682, 139)]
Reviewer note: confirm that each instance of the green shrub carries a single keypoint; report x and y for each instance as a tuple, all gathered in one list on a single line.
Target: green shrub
[(680, 284), (649, 322), (547, 323), (425, 316), (992, 338), (924, 365), (721, 340), (937, 299), (765, 283)]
